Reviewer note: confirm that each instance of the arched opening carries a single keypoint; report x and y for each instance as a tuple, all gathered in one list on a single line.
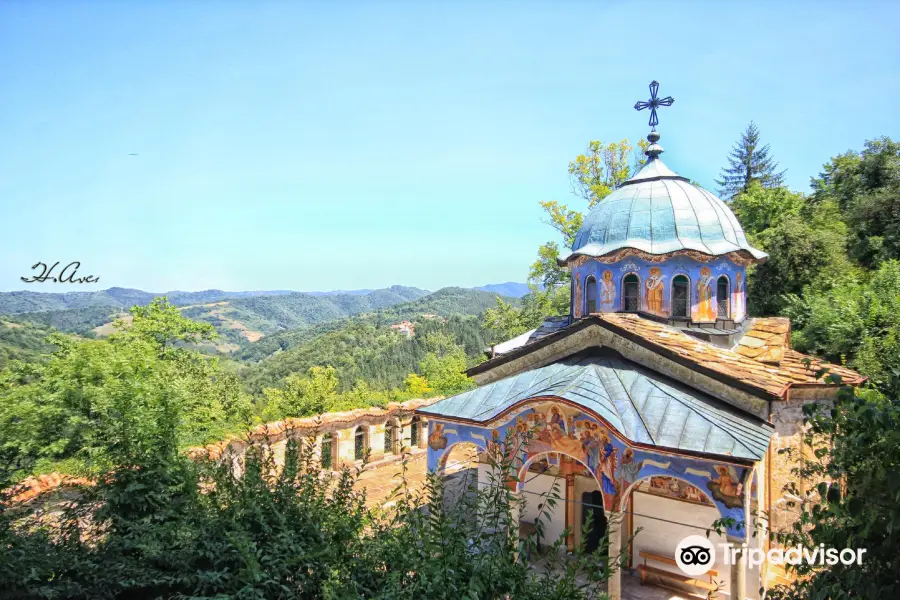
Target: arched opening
[(390, 437), (681, 297), (580, 501), (722, 297), (414, 433), (592, 512), (359, 443), (327, 451), (590, 294), (631, 298), (459, 467)]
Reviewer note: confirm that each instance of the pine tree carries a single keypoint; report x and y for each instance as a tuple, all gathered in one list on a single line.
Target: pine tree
[(749, 163)]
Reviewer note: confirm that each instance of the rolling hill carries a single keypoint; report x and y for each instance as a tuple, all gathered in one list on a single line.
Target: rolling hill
[(444, 303)]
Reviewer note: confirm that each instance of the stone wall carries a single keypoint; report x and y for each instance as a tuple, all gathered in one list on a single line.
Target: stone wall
[(340, 428), (787, 417)]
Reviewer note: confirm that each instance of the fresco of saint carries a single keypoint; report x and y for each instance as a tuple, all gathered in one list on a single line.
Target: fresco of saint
[(607, 291), (739, 296), (705, 309), (606, 472), (628, 469), (726, 488), (437, 440), (655, 289)]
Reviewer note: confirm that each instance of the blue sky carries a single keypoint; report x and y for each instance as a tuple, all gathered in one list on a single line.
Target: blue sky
[(339, 145)]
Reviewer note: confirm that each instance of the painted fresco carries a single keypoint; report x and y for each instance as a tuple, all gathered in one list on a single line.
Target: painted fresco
[(656, 291), (656, 288), (704, 308), (675, 489), (540, 434), (738, 306), (607, 291)]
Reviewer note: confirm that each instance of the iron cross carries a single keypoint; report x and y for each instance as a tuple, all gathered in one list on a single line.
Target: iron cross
[(654, 103)]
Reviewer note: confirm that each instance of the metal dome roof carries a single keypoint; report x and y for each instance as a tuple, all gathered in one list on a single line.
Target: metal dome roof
[(659, 212)]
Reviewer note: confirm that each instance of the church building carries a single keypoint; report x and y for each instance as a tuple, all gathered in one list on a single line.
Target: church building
[(657, 400)]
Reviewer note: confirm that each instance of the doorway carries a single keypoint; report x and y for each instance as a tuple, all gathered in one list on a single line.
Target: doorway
[(592, 505)]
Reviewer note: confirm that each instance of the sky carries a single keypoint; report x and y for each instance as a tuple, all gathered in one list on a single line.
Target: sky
[(343, 145)]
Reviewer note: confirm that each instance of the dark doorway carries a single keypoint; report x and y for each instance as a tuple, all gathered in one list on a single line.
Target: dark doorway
[(680, 304), (722, 297), (631, 294), (592, 504)]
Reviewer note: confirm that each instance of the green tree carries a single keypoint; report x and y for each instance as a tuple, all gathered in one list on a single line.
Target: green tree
[(800, 255), (857, 321), (749, 162), (91, 396), (593, 176), (866, 188), (759, 208)]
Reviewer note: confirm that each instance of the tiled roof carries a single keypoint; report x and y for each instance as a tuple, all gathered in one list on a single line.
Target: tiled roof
[(771, 378), (766, 340), (644, 406), (275, 429), (774, 368)]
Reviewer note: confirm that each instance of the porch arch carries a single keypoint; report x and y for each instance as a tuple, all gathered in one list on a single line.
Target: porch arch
[(623, 498), (442, 462), (523, 470)]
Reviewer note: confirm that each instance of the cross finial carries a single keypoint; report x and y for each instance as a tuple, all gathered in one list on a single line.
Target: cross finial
[(654, 103), (654, 149)]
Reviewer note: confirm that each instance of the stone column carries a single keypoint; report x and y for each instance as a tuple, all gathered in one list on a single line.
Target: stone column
[(376, 441), (738, 569), (570, 511), (614, 585), (423, 433), (344, 441)]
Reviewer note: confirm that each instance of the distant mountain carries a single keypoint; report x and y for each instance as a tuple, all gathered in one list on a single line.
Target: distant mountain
[(237, 316), (445, 302), (116, 297), (510, 288)]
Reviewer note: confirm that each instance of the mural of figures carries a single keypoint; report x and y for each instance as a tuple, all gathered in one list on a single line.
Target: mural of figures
[(607, 464), (706, 311), (670, 487), (726, 488), (655, 291), (541, 433), (437, 440), (628, 469), (738, 303), (607, 291)]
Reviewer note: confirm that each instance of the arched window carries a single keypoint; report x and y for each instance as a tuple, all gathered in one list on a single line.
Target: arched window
[(631, 293), (359, 443), (681, 304), (722, 297), (327, 451), (590, 293), (414, 432), (390, 437)]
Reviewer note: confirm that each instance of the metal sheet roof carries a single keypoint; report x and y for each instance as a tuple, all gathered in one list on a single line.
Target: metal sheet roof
[(658, 212), (548, 326), (643, 406)]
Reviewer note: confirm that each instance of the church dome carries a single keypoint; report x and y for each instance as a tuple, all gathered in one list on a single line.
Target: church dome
[(659, 212)]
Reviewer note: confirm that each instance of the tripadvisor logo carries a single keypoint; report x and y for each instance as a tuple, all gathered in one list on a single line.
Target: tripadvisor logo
[(695, 555)]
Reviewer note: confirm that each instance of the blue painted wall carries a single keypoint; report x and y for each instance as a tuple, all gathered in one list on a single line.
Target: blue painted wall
[(610, 296), (556, 428)]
